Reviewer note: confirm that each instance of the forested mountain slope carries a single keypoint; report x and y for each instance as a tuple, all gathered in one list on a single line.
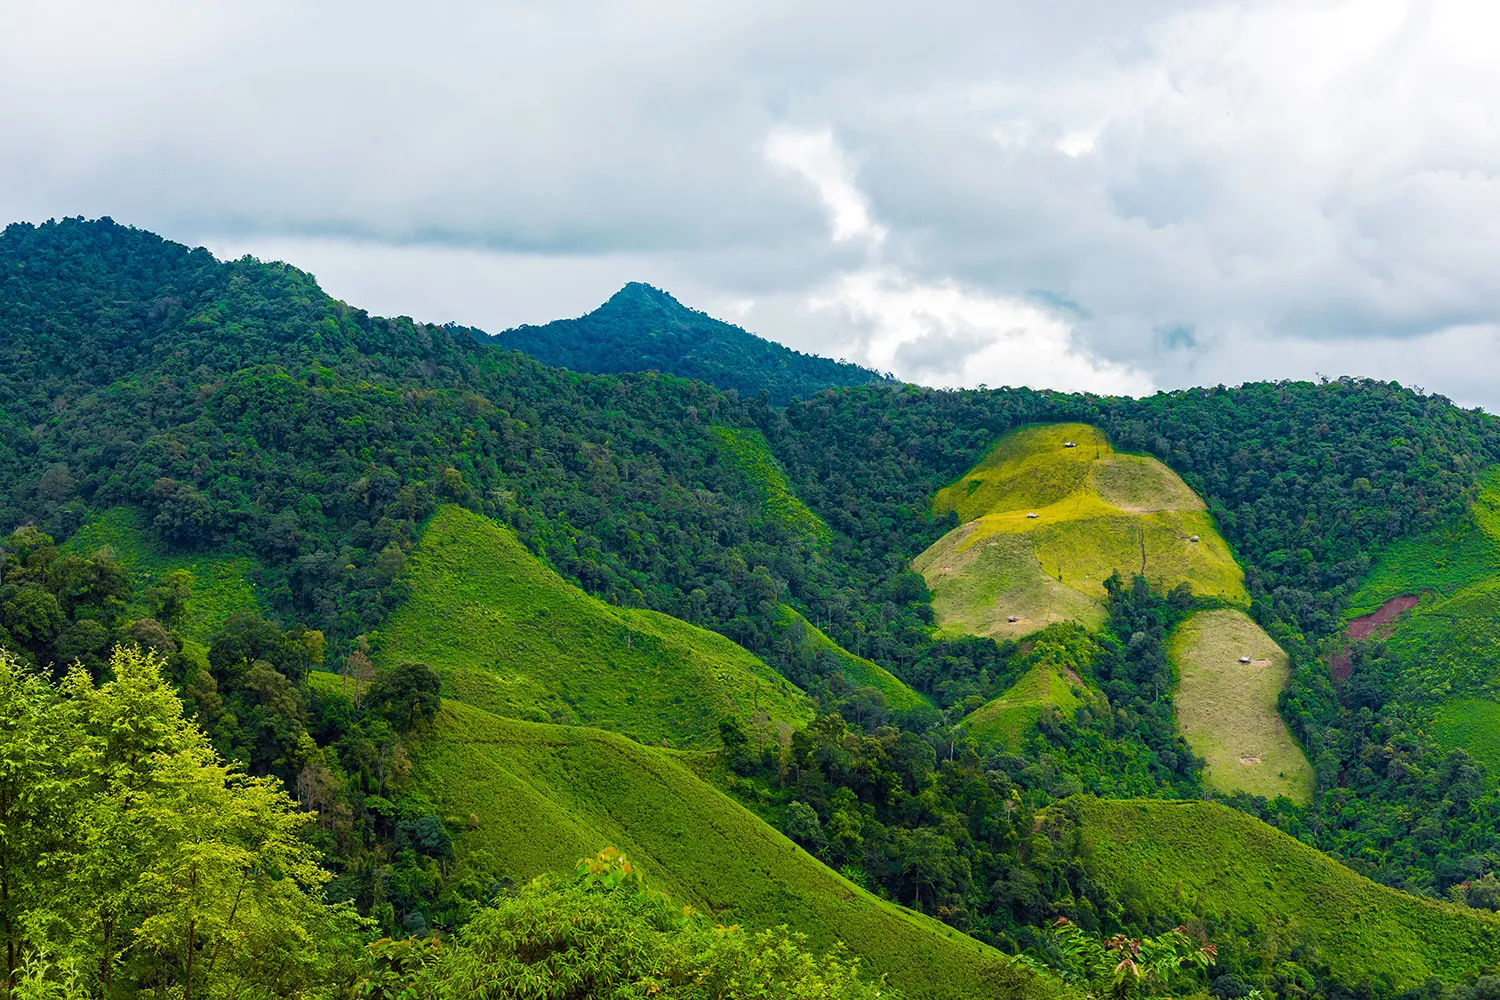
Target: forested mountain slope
[(231, 411), (645, 329)]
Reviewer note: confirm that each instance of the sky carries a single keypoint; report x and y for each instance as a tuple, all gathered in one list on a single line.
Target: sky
[(1082, 194)]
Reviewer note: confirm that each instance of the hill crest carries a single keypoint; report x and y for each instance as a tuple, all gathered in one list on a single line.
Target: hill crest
[(643, 328)]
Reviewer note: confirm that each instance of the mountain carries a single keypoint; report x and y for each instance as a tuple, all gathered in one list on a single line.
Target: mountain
[(441, 603), (643, 329)]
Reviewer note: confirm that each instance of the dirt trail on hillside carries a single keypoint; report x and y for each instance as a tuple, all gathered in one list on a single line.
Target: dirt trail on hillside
[(1341, 664)]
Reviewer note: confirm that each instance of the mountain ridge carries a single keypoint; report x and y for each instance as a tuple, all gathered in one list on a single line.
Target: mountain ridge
[(644, 328)]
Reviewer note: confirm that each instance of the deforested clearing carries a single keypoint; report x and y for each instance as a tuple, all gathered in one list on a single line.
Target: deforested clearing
[(1045, 524), (1226, 708)]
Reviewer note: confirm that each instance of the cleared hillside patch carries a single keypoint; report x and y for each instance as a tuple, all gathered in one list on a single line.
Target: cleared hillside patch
[(1456, 555), (525, 798), (1008, 718), (779, 503), (222, 584), (1049, 513), (513, 637), (977, 589), (1472, 724), (1263, 893), (857, 670), (1226, 709)]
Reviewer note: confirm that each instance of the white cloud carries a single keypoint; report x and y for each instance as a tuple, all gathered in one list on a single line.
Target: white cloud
[(1296, 182), (814, 156), (940, 333)]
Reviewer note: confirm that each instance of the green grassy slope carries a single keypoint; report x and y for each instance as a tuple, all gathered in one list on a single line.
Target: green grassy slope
[(1474, 725), (513, 637), (857, 670), (750, 453), (222, 586), (1444, 561), (1007, 718), (1045, 525), (1227, 709), (1186, 859), (1449, 644), (527, 798)]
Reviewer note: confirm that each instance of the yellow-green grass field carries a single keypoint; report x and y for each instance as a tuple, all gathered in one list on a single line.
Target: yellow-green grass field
[(526, 798), (857, 670), (1045, 525), (513, 637), (1267, 893), (222, 584), (1226, 709), (748, 451), (1474, 725), (977, 588), (1008, 718)]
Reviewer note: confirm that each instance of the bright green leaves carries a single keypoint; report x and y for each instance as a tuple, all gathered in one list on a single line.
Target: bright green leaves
[(131, 853)]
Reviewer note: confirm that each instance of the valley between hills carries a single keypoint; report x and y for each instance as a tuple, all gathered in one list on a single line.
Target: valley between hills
[(355, 656)]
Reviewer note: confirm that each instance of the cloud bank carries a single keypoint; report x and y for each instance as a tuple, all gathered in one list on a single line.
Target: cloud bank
[(1074, 194)]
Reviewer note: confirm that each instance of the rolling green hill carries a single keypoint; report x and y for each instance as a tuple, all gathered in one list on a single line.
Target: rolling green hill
[(531, 798), (1060, 654), (1227, 709), (513, 637), (1261, 892), (1045, 523), (222, 584)]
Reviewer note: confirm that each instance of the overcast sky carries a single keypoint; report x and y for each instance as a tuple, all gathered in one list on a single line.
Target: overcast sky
[(1083, 194)]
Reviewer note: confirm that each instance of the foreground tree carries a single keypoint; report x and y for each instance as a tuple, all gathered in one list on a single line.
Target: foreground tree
[(1122, 967), (603, 935), (132, 859)]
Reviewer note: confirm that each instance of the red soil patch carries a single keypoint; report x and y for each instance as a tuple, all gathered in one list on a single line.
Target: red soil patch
[(1341, 664)]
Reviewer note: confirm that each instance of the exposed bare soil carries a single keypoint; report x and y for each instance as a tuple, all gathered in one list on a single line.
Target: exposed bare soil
[(1342, 662)]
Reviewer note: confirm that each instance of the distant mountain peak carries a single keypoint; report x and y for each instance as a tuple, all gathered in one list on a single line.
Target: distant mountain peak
[(645, 328)]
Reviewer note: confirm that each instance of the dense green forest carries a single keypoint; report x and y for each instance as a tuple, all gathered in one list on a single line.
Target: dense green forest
[(644, 329), (204, 411)]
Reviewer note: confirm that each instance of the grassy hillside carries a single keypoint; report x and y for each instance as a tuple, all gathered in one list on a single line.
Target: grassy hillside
[(857, 670), (1262, 891), (1046, 524), (513, 637), (1474, 725), (1449, 644), (1462, 552), (1227, 709), (1007, 718), (528, 798), (222, 586), (748, 450)]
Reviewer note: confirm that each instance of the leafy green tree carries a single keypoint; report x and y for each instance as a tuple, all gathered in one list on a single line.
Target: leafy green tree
[(603, 935), (1121, 967), (409, 695), (133, 855)]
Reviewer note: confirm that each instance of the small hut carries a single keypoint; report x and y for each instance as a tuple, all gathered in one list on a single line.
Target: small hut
[(1013, 619), (1070, 444), (1244, 659), (1033, 515)]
